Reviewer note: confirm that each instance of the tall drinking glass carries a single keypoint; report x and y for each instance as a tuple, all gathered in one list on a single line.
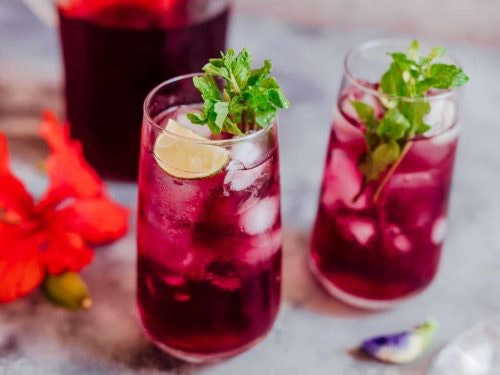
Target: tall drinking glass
[(209, 244), (115, 52), (377, 243)]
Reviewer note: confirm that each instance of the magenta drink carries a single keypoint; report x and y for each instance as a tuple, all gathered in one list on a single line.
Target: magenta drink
[(115, 52), (379, 230), (209, 230)]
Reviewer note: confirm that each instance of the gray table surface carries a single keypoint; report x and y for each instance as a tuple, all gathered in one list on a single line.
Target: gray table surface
[(314, 333)]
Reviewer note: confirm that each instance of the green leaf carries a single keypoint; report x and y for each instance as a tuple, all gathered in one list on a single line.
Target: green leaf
[(393, 125), (413, 50), (423, 128), (383, 157), (249, 99), (277, 97), (241, 69), (415, 111), (231, 128), (196, 119), (257, 75), (208, 87), (446, 76), (364, 111), (214, 70), (392, 81), (406, 83), (222, 110), (265, 118), (436, 53)]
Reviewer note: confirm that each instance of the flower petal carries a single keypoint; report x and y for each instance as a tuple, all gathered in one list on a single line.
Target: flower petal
[(65, 251), (13, 195), (401, 347), (97, 221), (21, 269), (70, 174)]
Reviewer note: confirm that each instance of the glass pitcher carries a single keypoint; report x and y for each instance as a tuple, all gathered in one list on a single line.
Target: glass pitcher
[(114, 52)]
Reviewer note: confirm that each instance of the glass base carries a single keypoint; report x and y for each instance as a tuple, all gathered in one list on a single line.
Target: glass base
[(350, 299), (203, 358), (199, 358)]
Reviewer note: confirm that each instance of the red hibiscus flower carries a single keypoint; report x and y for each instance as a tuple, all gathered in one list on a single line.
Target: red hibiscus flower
[(53, 235)]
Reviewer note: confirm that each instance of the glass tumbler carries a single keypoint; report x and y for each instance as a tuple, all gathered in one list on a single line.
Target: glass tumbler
[(379, 242), (209, 245)]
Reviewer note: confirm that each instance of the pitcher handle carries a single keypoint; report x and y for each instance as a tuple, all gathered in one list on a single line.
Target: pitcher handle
[(44, 10)]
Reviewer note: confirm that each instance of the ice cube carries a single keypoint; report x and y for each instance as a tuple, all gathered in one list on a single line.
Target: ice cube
[(439, 231), (174, 280), (262, 216), (443, 116), (229, 283), (475, 352), (238, 178), (222, 274), (395, 240), (425, 200), (177, 258), (343, 181), (261, 248), (183, 202), (447, 137), (353, 93), (247, 153), (344, 130), (402, 243), (356, 228), (182, 297), (182, 119), (362, 230)]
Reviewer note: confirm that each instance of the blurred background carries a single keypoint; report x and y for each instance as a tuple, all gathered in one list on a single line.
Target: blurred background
[(473, 21), (307, 40)]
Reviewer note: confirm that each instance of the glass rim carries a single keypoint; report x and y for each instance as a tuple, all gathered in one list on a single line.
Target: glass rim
[(211, 142), (369, 90)]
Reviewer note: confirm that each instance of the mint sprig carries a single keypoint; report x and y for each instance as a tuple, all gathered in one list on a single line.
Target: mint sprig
[(406, 84), (249, 99)]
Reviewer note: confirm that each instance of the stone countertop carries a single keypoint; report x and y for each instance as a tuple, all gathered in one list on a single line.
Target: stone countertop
[(314, 333)]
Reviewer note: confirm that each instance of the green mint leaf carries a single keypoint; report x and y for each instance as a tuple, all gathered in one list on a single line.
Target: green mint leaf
[(249, 99), (215, 70), (222, 110), (407, 83), (446, 76), (414, 50), (436, 53), (257, 75), (277, 98), (241, 68), (415, 111), (365, 113), (393, 125), (392, 81), (208, 87), (264, 118), (384, 156), (423, 128), (196, 119), (377, 162)]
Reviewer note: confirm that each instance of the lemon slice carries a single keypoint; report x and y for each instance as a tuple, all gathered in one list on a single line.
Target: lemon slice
[(181, 157)]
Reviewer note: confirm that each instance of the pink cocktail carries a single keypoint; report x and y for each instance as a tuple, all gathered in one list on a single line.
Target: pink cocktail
[(209, 247), (378, 242)]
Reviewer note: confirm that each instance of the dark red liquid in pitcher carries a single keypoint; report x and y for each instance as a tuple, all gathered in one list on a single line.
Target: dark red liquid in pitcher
[(114, 54)]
